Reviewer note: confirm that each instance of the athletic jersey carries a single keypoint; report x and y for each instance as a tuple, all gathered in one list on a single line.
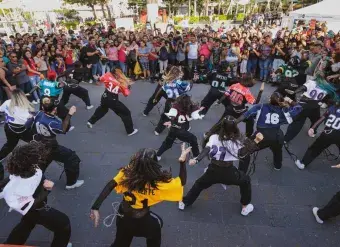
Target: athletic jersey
[(18, 116), (45, 125), (178, 118), (226, 151), (113, 86), (49, 88), (240, 95), (18, 192), (219, 81), (333, 118), (176, 88), (171, 191), (269, 116), (288, 71), (314, 92)]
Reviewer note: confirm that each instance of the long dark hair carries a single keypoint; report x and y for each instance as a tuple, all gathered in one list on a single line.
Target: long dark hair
[(226, 129), (29, 61), (26, 158), (144, 170), (277, 99), (185, 104)]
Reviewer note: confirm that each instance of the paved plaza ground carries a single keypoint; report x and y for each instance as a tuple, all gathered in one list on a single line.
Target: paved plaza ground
[(283, 200)]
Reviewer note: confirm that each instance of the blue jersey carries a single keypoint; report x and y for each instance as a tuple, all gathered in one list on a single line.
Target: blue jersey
[(49, 88), (333, 118), (45, 125), (269, 116), (176, 88)]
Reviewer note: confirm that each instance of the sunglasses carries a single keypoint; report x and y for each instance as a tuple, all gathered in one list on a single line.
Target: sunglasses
[(13, 56)]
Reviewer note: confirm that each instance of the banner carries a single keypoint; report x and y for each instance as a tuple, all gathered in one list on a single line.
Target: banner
[(126, 23), (152, 9)]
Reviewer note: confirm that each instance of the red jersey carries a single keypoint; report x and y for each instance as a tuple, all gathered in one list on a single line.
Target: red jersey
[(113, 86), (240, 95), (32, 66)]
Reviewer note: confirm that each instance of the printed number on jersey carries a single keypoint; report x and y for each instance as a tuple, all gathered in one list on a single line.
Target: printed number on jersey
[(42, 130), (218, 152), (113, 89), (132, 199), (291, 73), (316, 94), (217, 84), (47, 92), (333, 122), (272, 118), (172, 93)]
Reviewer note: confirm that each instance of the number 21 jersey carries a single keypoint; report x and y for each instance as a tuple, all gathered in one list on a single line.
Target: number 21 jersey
[(226, 151)]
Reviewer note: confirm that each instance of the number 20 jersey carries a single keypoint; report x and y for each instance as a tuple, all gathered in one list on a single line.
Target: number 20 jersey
[(333, 119)]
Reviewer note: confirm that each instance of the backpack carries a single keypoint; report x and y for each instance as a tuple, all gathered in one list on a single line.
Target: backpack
[(163, 54)]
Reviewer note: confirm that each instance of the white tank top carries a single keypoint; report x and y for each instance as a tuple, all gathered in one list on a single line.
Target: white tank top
[(193, 51)]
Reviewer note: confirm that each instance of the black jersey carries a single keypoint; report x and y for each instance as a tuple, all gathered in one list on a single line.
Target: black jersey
[(220, 81)]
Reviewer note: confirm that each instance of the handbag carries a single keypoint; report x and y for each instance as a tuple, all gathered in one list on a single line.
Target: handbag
[(137, 70)]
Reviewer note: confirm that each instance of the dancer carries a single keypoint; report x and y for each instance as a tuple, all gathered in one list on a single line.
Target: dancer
[(173, 87), (224, 145), (115, 82), (239, 95), (26, 192), (182, 111), (270, 117), (314, 92), (219, 81), (72, 78), (331, 210), (329, 136), (45, 126), (143, 184), (17, 111), (158, 92)]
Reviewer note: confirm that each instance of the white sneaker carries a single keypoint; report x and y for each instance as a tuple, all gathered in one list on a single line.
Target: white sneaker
[(133, 132), (69, 245), (89, 125), (76, 185), (299, 164), (247, 209), (189, 128), (159, 158), (181, 206), (315, 212), (71, 128), (34, 102), (90, 81), (89, 107), (144, 114), (38, 101), (276, 169), (156, 133)]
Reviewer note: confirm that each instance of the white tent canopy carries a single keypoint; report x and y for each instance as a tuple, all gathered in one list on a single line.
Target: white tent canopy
[(323, 11), (327, 10)]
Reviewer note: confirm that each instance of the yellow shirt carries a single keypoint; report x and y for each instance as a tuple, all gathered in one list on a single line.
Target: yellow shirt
[(172, 191)]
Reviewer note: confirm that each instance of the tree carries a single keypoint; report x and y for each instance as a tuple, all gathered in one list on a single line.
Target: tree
[(89, 3)]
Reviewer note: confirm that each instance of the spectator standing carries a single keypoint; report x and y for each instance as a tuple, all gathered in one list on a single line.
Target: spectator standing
[(33, 74), (143, 54), (93, 58)]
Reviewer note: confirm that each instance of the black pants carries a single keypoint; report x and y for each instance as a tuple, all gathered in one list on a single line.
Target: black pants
[(52, 219), (332, 209), (273, 139), (150, 105), (160, 126), (184, 136), (79, 91), (220, 175), (310, 110), (148, 227), (70, 160), (110, 101), (320, 144), (213, 95), (13, 133), (229, 110)]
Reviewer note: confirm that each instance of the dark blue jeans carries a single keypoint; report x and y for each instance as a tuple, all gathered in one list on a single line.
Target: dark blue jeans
[(252, 65), (264, 68)]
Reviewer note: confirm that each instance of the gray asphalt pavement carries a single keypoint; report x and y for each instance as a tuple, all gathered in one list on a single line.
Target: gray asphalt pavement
[(283, 200)]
